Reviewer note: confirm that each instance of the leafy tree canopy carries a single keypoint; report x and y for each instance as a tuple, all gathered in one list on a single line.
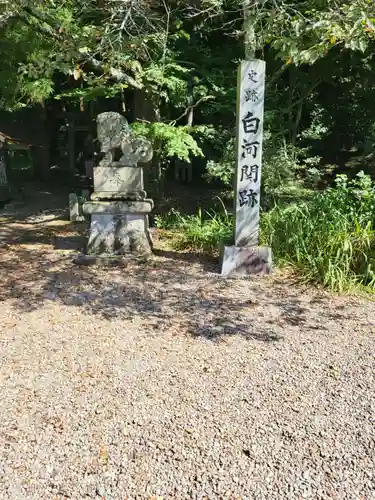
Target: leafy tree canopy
[(182, 54)]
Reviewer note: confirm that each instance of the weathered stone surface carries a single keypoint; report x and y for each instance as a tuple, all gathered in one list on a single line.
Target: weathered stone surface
[(118, 207), (245, 261), (75, 209), (125, 195), (137, 222), (118, 179), (114, 133), (250, 99), (123, 240), (139, 243), (245, 257), (4, 187), (136, 150), (102, 234), (3, 174), (112, 128), (112, 234)]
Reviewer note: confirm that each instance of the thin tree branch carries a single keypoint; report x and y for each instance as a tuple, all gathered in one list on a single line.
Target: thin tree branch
[(91, 62), (189, 108), (116, 74), (277, 75)]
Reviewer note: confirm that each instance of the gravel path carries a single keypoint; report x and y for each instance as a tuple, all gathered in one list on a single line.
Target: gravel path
[(167, 381)]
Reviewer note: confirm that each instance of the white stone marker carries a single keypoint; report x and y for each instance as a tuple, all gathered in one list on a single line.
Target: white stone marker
[(250, 104), (245, 257)]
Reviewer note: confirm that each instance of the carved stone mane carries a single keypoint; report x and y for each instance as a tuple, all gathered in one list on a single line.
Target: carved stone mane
[(115, 134)]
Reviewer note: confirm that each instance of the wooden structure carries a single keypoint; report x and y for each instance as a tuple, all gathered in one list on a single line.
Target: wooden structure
[(9, 147)]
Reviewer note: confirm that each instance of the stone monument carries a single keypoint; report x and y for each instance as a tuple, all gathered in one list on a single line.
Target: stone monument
[(119, 208), (246, 257)]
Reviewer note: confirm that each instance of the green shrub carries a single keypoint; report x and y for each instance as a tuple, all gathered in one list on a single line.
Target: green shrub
[(172, 220), (331, 237), (201, 232), (287, 170)]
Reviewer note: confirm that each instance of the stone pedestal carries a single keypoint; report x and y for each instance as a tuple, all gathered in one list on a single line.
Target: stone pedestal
[(75, 209), (246, 260), (119, 227), (119, 213), (4, 187)]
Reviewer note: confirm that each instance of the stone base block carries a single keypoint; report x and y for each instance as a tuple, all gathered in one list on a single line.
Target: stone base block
[(114, 234), (246, 261), (98, 260), (118, 207), (126, 195)]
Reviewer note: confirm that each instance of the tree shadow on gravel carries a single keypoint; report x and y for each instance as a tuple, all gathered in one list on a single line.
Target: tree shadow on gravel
[(37, 202), (165, 295), (207, 262), (179, 293)]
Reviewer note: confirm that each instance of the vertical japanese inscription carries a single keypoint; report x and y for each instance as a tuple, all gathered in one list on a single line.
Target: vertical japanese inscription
[(250, 110)]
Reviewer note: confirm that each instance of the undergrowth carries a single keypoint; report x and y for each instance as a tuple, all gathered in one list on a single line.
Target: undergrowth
[(201, 232), (329, 239)]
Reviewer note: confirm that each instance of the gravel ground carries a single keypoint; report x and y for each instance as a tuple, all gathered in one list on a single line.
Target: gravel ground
[(167, 381)]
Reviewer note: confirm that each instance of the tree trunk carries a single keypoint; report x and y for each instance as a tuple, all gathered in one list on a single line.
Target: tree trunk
[(249, 32), (183, 169)]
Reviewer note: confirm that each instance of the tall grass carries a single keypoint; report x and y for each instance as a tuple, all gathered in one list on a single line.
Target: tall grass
[(330, 238), (201, 232)]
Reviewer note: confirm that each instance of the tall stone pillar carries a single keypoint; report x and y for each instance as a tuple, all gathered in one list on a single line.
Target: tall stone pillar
[(246, 257)]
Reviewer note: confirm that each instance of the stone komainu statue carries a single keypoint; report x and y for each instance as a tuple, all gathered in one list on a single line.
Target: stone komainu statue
[(114, 133)]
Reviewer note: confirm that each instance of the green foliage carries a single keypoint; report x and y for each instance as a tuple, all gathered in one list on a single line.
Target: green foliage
[(92, 93), (169, 141), (167, 81), (330, 238), (224, 168), (185, 53), (304, 32), (287, 170), (202, 232), (170, 221)]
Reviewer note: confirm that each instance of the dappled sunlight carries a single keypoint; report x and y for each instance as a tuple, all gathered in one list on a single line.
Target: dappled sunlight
[(175, 292)]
